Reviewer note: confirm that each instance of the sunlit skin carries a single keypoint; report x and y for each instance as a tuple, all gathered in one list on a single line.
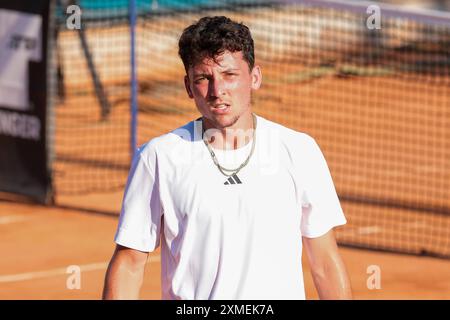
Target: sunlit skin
[(222, 90)]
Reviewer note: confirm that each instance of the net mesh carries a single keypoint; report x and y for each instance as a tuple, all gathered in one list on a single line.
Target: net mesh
[(376, 100), (92, 98)]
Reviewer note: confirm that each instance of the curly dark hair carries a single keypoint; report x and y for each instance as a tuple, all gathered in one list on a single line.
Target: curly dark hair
[(209, 37)]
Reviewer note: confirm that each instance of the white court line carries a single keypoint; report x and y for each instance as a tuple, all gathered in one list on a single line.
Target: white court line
[(11, 219), (59, 271)]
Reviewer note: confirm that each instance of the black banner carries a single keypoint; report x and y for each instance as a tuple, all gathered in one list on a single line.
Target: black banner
[(24, 78), (241, 310)]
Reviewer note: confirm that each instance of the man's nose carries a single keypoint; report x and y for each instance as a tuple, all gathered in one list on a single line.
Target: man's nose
[(216, 88)]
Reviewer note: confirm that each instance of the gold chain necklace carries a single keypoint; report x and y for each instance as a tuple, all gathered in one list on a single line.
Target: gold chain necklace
[(225, 171)]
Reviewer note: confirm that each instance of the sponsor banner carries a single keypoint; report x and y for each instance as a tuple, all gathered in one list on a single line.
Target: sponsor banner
[(24, 166)]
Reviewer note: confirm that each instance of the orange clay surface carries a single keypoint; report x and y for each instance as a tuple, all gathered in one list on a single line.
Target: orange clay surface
[(39, 243)]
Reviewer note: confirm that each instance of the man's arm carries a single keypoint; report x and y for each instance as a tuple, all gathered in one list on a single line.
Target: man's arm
[(327, 268), (125, 274)]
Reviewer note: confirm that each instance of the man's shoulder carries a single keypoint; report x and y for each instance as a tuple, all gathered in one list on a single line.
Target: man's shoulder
[(301, 149), (288, 135), (185, 134)]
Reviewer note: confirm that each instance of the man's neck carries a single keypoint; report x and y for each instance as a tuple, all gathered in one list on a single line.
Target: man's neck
[(236, 136)]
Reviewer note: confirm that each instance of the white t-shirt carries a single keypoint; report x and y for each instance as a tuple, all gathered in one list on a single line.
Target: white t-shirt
[(220, 240)]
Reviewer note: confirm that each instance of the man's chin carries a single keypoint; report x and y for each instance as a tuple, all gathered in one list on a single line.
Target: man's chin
[(222, 122)]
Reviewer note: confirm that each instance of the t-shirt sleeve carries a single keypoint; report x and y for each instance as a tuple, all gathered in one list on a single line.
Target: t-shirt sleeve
[(140, 218), (321, 209)]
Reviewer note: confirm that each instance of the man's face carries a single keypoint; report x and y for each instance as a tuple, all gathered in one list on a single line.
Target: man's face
[(222, 89)]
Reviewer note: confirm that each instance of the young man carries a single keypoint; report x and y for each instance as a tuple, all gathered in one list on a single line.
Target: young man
[(230, 196)]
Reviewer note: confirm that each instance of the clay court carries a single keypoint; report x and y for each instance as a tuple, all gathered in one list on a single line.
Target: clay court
[(40, 243), (386, 138)]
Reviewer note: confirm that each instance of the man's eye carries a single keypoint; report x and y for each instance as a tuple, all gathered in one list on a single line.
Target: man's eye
[(199, 80)]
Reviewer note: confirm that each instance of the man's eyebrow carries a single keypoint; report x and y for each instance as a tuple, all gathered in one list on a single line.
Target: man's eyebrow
[(204, 74), (200, 74), (230, 70)]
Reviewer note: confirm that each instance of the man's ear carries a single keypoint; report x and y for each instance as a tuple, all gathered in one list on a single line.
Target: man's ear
[(256, 77), (188, 87)]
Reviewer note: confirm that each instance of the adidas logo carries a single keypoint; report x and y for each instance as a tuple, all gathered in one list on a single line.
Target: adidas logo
[(233, 180)]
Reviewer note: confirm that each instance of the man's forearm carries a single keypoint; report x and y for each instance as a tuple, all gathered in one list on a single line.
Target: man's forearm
[(122, 282), (333, 283)]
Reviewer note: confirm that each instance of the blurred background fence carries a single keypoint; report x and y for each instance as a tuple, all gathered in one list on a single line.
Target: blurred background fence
[(377, 100)]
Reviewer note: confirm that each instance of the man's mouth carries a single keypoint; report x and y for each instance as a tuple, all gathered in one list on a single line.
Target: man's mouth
[(221, 108)]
